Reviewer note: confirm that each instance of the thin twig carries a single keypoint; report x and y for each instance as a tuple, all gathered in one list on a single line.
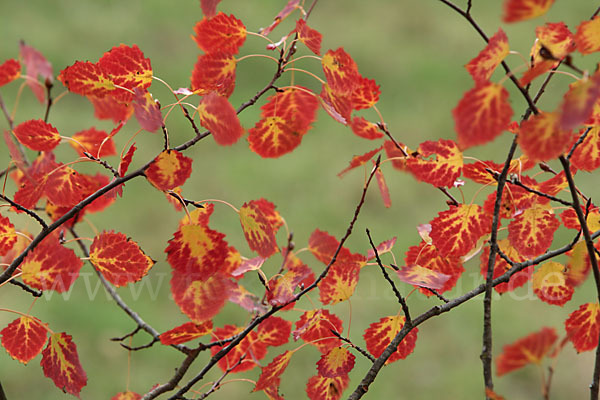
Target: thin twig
[(33, 292), (580, 140), (358, 348), (27, 211), (217, 383)]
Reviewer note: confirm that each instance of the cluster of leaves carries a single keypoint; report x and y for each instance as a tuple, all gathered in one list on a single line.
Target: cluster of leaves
[(207, 272)]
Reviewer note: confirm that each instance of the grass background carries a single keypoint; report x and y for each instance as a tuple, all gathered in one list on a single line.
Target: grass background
[(416, 52)]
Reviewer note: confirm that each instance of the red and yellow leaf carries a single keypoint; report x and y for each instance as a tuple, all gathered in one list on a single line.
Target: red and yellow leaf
[(24, 338), (169, 170), (96, 142), (482, 114), (127, 68), (186, 332), (281, 289), (323, 246), (340, 71), (541, 137), (444, 169), (287, 10), (366, 94), (8, 237), (427, 256), (274, 331), (220, 33), (37, 135), (382, 248), (87, 79), (416, 275), (64, 186), (482, 66), (456, 231), (219, 117), (587, 37), (528, 350), (51, 266), (578, 102), (520, 10), (310, 37), (340, 282), (336, 362), (109, 107), (126, 396), (587, 155), (314, 326), (146, 110), (550, 284), (532, 231), (271, 373), (583, 327), (501, 267), (251, 264), (258, 228), (199, 299), (322, 388), (126, 160), (380, 334), (250, 348), (337, 105), (60, 363), (539, 67), (398, 157), (214, 72), (579, 265), (357, 161), (9, 71), (555, 38), (383, 188), (365, 129), (119, 259)]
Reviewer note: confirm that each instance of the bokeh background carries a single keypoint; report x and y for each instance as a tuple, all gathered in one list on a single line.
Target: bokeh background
[(416, 51)]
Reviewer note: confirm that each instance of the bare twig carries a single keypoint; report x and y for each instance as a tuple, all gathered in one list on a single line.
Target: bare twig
[(358, 348), (27, 211), (33, 292), (215, 386)]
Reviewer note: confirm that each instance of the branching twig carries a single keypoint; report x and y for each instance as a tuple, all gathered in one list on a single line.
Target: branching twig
[(580, 140), (27, 211), (358, 348), (217, 383)]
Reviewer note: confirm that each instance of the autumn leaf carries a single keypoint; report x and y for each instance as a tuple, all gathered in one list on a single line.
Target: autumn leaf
[(340, 71), (209, 7), (37, 68), (126, 396), (119, 259), (287, 10), (383, 188), (541, 137), (87, 79), (60, 363), (250, 348), (169, 170), (419, 276), (528, 350), (501, 267), (64, 186), (336, 362), (366, 94), (340, 282), (555, 38), (214, 72), (127, 67), (220, 33), (550, 284), (281, 289), (357, 161), (382, 248), (482, 66), (337, 105), (323, 246), (587, 36), (185, 333), (520, 10), (219, 117), (532, 231), (444, 169), (111, 108), (96, 142), (583, 327), (258, 228), (251, 264), (126, 160), (587, 155), (380, 334), (8, 236), (482, 114), (310, 37), (9, 71), (274, 331), (365, 129), (271, 373), (199, 299), (579, 265), (314, 327), (246, 299), (398, 157), (578, 102), (37, 135), (146, 110), (24, 338)]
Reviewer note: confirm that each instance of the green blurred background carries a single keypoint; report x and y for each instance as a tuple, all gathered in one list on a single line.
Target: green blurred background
[(416, 51)]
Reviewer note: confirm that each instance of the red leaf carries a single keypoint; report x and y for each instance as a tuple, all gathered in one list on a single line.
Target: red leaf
[(258, 229), (214, 72), (427, 256), (274, 331), (64, 186), (482, 67), (209, 7), (340, 282), (250, 347), (520, 10), (24, 338), (9, 71), (444, 169), (322, 388), (287, 10), (456, 231), (538, 68), (583, 327), (528, 350), (219, 117), (579, 101), (587, 36), (340, 71), (419, 276), (109, 107), (397, 156), (126, 396), (60, 363), (271, 373), (126, 160), (383, 188), (501, 266), (36, 66), (380, 334), (220, 33), (185, 333), (314, 326), (310, 37), (51, 266), (169, 170), (127, 67), (357, 161), (541, 137), (96, 142), (119, 259), (323, 246), (87, 79), (550, 284), (336, 362), (245, 299), (199, 299), (252, 264), (365, 129), (532, 231), (587, 155), (556, 39), (146, 110), (8, 237), (337, 105), (382, 248), (482, 114), (37, 135), (282, 288), (366, 94)]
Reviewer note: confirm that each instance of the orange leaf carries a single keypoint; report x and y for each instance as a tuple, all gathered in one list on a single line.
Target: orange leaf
[(219, 117), (541, 137), (340, 282), (214, 72), (9, 71), (146, 110), (501, 266), (555, 38), (482, 66), (550, 284), (482, 114), (532, 231), (528, 350), (199, 299), (119, 259), (366, 94), (380, 334), (337, 362), (51, 266), (587, 37), (310, 37), (422, 277), (322, 388), (186, 332), (271, 373), (314, 327), (60, 363), (169, 170), (540, 67), (340, 71), (93, 141), (456, 231), (579, 265), (520, 10), (357, 161), (587, 155), (24, 338), (37, 135), (250, 347), (444, 169), (583, 327), (274, 331), (365, 129), (8, 237), (258, 229), (126, 396), (220, 33)]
